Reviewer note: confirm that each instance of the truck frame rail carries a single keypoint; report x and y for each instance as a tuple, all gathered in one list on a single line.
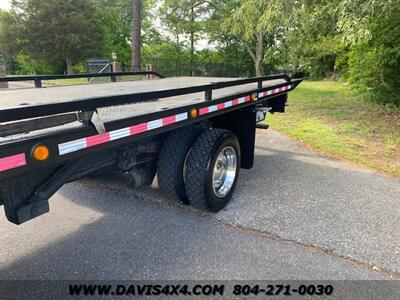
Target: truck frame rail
[(38, 154)]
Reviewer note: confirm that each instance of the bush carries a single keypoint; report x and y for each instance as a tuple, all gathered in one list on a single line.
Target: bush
[(28, 65), (374, 72)]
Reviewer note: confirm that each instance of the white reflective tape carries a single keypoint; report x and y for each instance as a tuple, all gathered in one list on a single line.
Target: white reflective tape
[(72, 146), (228, 104), (80, 144), (155, 124), (181, 117), (212, 108), (120, 133)]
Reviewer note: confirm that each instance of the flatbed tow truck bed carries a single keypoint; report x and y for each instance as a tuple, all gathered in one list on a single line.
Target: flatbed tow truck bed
[(54, 94), (34, 96), (10, 98), (49, 136)]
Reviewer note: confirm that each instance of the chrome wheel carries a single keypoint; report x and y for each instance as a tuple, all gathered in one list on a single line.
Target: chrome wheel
[(224, 172)]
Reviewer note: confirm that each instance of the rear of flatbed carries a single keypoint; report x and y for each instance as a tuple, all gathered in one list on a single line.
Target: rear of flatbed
[(195, 133)]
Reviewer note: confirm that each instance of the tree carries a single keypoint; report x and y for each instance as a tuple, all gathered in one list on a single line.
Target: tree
[(185, 18), (136, 34), (53, 30), (116, 20), (9, 29), (371, 31), (309, 44), (256, 23)]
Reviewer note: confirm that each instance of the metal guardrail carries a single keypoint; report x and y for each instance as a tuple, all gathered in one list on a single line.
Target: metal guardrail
[(91, 104), (37, 79)]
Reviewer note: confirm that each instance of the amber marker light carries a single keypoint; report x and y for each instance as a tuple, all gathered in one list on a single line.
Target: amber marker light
[(40, 153), (254, 96), (194, 113)]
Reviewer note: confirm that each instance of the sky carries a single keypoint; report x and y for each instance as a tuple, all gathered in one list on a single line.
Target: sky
[(4, 4)]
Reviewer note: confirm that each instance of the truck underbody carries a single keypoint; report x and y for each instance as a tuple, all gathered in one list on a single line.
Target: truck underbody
[(168, 126)]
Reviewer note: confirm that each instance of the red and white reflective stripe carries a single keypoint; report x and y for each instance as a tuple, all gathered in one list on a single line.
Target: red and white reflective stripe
[(12, 162), (19, 160), (209, 109), (91, 141), (275, 91)]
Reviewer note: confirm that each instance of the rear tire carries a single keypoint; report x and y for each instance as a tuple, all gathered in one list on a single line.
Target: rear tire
[(172, 160), (210, 186)]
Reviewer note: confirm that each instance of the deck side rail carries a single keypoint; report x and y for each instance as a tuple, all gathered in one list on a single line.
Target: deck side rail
[(93, 103), (37, 79)]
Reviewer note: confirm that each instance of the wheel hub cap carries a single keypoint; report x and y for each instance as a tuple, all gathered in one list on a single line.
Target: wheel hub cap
[(224, 172)]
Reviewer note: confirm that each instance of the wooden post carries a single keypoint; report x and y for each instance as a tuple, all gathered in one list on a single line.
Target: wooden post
[(116, 67), (3, 73), (150, 68)]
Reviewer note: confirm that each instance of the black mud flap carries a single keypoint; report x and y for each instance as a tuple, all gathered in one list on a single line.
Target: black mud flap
[(277, 104), (26, 197), (16, 193), (243, 124)]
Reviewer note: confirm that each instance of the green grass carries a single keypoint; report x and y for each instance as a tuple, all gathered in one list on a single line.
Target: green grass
[(72, 81), (329, 117), (78, 81)]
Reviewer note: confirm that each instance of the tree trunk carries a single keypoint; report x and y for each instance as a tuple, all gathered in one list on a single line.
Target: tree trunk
[(258, 55), (70, 68), (259, 70), (257, 62), (136, 35), (3, 73), (191, 41)]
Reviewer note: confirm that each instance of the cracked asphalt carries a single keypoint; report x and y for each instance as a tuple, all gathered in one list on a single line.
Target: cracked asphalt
[(295, 215)]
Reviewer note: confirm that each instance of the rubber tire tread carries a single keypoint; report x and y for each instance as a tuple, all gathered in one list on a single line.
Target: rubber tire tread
[(171, 159), (199, 157)]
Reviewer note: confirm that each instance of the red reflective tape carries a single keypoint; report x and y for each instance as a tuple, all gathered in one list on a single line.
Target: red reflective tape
[(235, 101), (138, 128), (98, 139), (247, 98), (203, 111), (12, 162), (220, 106), (168, 120)]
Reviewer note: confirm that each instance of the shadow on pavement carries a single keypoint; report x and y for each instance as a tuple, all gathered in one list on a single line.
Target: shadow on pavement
[(137, 236)]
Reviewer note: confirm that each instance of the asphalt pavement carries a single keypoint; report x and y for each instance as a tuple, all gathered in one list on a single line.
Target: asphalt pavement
[(295, 215)]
